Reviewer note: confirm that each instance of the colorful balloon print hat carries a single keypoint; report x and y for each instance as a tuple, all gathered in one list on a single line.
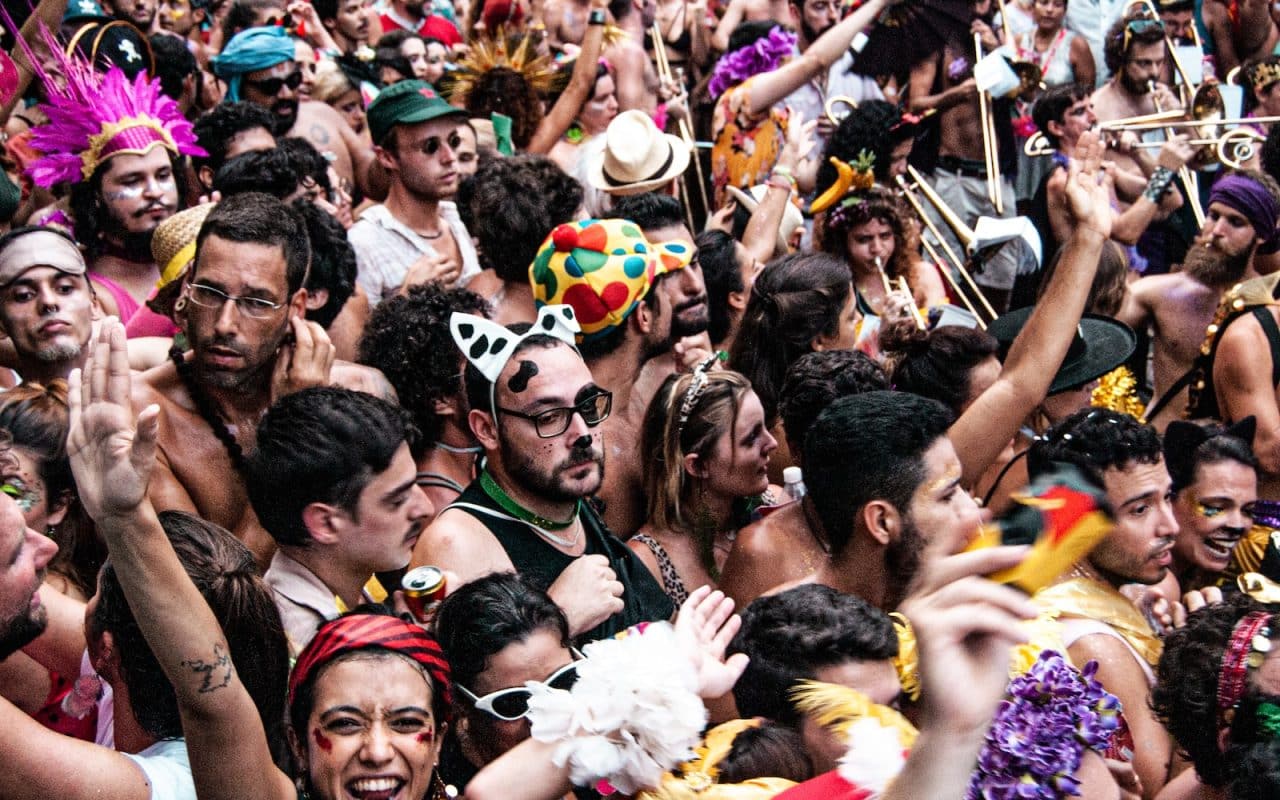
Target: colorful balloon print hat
[(603, 268)]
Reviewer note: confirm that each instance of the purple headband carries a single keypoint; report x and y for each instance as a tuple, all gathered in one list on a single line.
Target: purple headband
[(1251, 199)]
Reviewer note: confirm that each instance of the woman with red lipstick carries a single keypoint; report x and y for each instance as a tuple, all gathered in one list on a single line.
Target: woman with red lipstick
[(706, 448), (1215, 484)]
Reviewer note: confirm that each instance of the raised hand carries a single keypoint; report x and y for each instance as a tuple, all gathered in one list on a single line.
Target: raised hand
[(305, 362), (705, 626), (112, 453), (1088, 187)]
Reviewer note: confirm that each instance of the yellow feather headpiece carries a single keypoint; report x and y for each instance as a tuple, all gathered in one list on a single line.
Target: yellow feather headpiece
[(836, 707), (518, 53)]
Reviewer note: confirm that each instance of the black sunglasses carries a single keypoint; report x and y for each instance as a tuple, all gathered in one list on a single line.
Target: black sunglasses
[(432, 146), (272, 86)]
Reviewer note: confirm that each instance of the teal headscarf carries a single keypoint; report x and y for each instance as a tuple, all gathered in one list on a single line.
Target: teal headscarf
[(249, 51)]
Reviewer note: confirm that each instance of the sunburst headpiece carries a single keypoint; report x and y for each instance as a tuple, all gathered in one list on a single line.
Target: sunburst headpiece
[(517, 53), (95, 116)]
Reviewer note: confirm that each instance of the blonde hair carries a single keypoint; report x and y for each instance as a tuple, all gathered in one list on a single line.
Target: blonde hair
[(711, 411)]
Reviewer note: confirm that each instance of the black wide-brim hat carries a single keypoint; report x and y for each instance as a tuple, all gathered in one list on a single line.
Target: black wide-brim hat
[(1100, 345)]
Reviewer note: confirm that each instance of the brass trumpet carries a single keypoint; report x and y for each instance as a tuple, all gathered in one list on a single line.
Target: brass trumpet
[(829, 107), (1231, 149)]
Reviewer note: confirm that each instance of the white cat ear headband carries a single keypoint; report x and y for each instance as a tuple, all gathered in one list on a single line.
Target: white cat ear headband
[(488, 346)]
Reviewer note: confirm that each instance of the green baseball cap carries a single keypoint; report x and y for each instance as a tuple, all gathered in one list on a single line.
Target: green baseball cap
[(405, 103)]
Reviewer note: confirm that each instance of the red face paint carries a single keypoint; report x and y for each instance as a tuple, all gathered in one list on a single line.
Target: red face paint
[(321, 740), (426, 736)]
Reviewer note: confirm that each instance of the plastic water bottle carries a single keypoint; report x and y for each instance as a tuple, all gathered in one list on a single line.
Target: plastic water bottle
[(793, 483)]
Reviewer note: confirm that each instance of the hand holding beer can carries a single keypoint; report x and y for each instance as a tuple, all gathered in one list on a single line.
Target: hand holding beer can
[(424, 588)]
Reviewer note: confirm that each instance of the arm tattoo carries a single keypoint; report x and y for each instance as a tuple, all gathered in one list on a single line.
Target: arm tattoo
[(217, 673)]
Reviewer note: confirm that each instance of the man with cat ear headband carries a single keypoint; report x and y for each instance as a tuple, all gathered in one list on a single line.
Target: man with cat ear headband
[(536, 411)]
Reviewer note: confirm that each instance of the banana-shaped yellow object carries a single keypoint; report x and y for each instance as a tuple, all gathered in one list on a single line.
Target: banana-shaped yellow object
[(844, 179)]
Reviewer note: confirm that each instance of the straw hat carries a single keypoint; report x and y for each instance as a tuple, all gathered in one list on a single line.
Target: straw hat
[(637, 157), (173, 246)]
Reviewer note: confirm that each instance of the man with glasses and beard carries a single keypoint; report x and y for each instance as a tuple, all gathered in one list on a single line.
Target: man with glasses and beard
[(1178, 307), (259, 66), (536, 411), (46, 303), (617, 340), (416, 235), (242, 309)]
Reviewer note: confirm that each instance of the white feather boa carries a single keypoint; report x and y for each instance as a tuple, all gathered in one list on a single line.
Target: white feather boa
[(633, 714)]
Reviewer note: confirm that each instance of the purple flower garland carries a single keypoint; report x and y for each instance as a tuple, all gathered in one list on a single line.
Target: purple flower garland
[(1050, 715), (763, 55)]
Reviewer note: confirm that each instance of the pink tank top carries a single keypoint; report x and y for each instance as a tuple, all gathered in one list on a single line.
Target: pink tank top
[(125, 303)]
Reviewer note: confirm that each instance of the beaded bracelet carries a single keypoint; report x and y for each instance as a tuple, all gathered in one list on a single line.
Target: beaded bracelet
[(1158, 184)]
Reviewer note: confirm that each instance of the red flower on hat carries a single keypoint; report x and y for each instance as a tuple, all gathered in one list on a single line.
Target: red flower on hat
[(427, 92)]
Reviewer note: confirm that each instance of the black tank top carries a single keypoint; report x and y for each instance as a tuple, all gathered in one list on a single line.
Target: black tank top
[(535, 558)]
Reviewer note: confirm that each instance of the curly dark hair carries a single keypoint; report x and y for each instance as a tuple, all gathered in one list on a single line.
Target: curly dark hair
[(216, 129), (1271, 153), (514, 205), (818, 379), (333, 261), (936, 364), (874, 127), (267, 171), (882, 205), (1254, 771), (1115, 50), (796, 298), (791, 635), (1185, 697), (1095, 440), (505, 91), (407, 337)]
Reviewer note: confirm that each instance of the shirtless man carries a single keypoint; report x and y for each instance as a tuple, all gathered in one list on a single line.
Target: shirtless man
[(1179, 306), (740, 11), (259, 66), (242, 300), (566, 22), (1241, 30), (635, 80), (946, 85)]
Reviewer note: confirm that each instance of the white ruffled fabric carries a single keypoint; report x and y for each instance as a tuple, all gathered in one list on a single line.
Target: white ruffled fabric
[(633, 713), (875, 756)]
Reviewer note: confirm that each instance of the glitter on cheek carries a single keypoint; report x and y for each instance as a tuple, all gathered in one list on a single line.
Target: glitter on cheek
[(125, 193), (321, 740), (167, 185)]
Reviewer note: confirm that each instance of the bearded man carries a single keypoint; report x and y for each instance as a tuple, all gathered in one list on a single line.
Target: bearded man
[(1178, 307)]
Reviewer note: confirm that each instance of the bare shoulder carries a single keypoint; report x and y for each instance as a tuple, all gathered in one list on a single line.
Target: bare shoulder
[(1118, 668), (160, 385), (459, 542), (362, 378)]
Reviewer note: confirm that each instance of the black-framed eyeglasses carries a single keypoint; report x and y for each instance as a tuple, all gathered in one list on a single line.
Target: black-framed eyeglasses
[(432, 145), (209, 297), (555, 421), (272, 86), (513, 704)]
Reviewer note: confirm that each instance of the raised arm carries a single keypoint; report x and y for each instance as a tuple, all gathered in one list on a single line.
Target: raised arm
[(761, 235), (112, 456), (771, 87), (581, 84), (983, 430)]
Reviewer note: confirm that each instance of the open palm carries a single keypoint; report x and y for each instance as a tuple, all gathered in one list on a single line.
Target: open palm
[(111, 453)]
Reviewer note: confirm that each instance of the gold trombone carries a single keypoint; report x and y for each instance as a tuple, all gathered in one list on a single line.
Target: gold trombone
[(1232, 149), (1189, 181), (664, 73), (963, 233), (990, 155)]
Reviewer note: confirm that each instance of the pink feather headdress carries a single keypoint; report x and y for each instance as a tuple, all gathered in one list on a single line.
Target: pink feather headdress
[(96, 116)]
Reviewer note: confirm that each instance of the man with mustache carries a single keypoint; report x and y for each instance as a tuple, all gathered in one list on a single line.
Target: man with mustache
[(333, 482), (536, 411), (1240, 217), (259, 66), (46, 303), (617, 340), (347, 21), (1099, 624), (242, 310)]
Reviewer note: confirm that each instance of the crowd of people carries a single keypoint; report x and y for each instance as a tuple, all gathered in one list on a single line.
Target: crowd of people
[(670, 399)]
